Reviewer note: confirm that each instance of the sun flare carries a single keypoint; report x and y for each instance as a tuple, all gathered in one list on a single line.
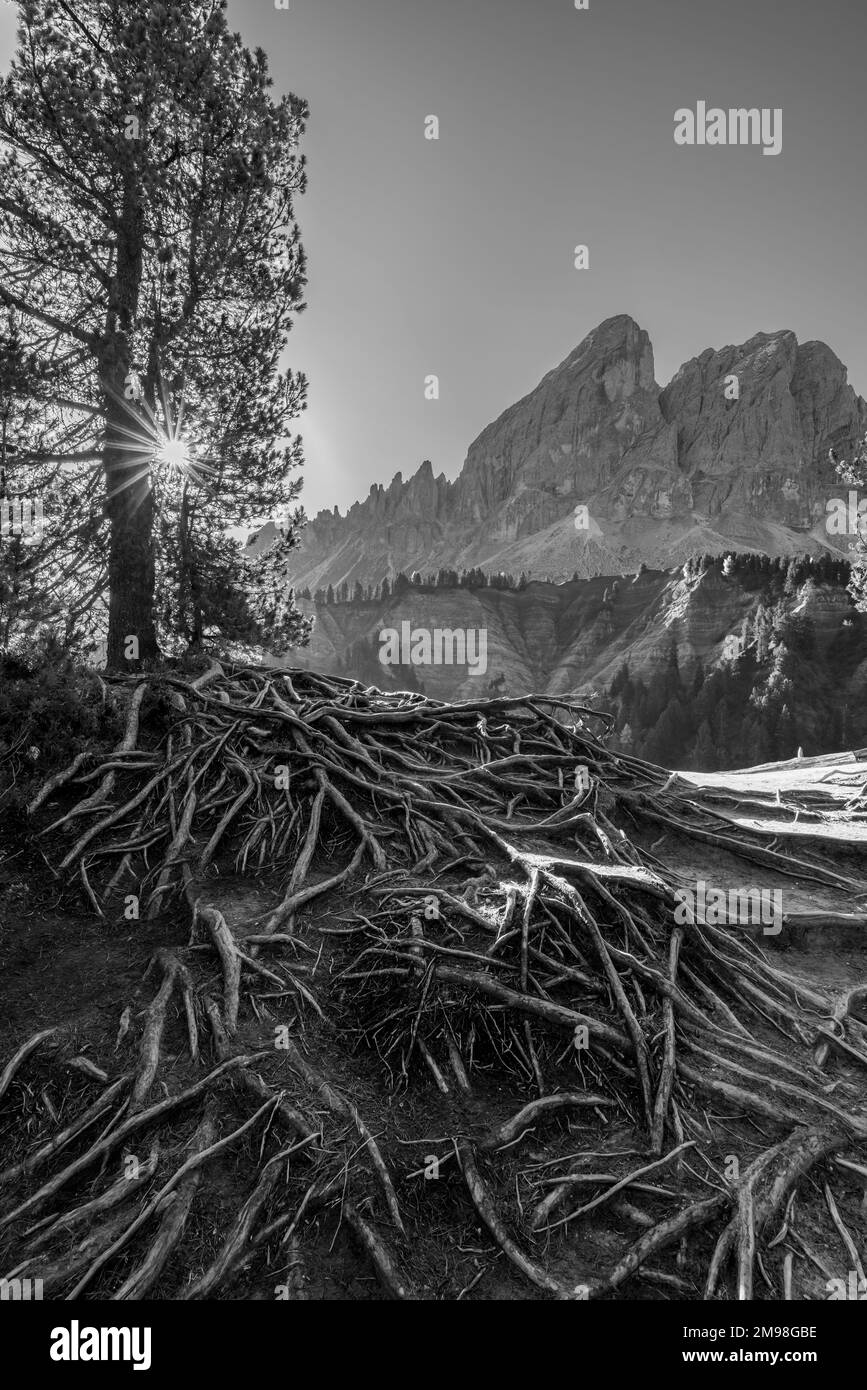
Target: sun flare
[(173, 455)]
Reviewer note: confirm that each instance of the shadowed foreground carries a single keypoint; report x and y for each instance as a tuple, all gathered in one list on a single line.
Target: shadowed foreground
[(472, 999)]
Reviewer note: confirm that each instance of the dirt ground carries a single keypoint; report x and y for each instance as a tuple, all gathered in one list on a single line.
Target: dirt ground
[(62, 966)]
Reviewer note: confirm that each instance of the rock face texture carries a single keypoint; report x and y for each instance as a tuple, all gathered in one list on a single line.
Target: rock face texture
[(557, 639), (731, 455)]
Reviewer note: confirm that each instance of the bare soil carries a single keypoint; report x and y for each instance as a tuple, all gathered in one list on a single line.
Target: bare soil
[(65, 967)]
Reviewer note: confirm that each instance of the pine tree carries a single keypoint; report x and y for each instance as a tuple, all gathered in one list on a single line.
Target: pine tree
[(148, 245), (620, 680), (704, 755), (853, 471), (37, 562), (791, 581)]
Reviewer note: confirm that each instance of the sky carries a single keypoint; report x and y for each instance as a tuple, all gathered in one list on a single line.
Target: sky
[(455, 257)]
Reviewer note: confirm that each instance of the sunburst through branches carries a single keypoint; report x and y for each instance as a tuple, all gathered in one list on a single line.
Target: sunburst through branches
[(154, 443)]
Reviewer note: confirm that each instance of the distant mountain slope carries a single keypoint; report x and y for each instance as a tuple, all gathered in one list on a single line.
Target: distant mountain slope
[(665, 473), (768, 654)]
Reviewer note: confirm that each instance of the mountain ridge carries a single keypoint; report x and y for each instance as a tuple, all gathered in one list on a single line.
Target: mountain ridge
[(778, 643), (665, 471)]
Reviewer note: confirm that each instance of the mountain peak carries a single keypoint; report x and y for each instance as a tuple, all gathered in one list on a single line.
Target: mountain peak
[(618, 334), (731, 455), (616, 325)]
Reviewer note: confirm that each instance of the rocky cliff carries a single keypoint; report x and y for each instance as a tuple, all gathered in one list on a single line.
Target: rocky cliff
[(573, 637), (777, 648), (731, 455)]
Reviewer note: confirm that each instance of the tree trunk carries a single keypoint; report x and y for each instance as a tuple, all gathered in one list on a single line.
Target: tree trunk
[(131, 568), (190, 595), (129, 499)]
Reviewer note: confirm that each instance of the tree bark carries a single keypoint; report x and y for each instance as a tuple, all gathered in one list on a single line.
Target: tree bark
[(190, 588), (129, 498), (131, 566)]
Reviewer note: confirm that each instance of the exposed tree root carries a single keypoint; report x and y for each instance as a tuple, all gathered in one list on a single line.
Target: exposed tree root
[(487, 1209), (557, 971), (20, 1057), (382, 1259), (236, 1242), (173, 1218), (37, 1158)]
